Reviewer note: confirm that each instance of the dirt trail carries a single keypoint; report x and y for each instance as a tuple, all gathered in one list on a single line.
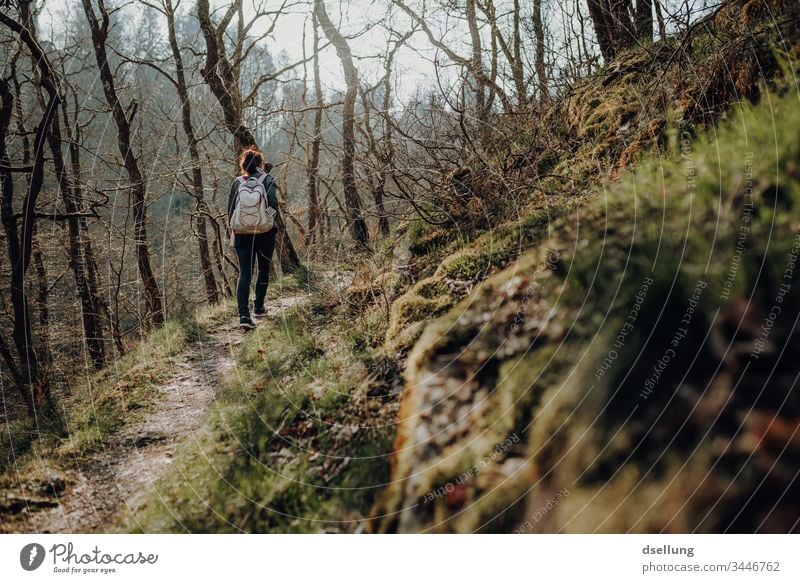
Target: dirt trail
[(117, 481)]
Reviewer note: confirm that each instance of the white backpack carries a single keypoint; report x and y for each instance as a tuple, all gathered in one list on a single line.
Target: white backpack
[(252, 213)]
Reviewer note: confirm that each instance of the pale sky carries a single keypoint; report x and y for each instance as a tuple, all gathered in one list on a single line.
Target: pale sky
[(411, 69)]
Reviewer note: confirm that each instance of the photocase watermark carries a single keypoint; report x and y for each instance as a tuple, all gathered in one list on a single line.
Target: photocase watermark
[(32, 556), (542, 512), (743, 232), (680, 334), (625, 330), (553, 256), (465, 476), (761, 343), (65, 559)]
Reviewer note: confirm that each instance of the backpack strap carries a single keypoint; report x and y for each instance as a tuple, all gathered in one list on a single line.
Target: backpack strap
[(261, 180), (240, 181)]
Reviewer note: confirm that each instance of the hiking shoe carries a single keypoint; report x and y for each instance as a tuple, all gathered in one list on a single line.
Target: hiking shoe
[(260, 312), (245, 323)]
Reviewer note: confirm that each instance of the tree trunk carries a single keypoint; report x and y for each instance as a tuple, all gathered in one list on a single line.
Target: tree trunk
[(378, 193), (91, 276), (477, 61), (33, 383), (87, 293), (539, 60), (41, 303), (603, 28), (356, 223), (619, 26), (517, 66), (644, 20), (662, 27), (212, 293), (312, 156), (138, 190), (219, 257), (624, 31)]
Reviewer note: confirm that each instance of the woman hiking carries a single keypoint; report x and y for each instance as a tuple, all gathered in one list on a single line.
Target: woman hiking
[(252, 205)]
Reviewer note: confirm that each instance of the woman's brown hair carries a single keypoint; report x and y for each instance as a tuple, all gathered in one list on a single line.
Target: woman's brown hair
[(250, 160)]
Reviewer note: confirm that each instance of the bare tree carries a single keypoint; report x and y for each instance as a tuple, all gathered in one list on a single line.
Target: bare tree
[(202, 213), (473, 65), (81, 259), (312, 148), (84, 262), (619, 26), (356, 223), (539, 58), (138, 189), (381, 147), (29, 371)]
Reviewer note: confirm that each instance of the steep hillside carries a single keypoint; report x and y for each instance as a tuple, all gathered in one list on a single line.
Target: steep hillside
[(634, 372), (626, 371)]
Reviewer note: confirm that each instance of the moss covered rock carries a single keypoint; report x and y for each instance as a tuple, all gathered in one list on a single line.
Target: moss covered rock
[(411, 311), (635, 372)]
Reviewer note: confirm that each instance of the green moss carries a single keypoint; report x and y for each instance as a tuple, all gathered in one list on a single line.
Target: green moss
[(469, 264), (429, 241), (472, 260), (426, 299), (431, 288), (547, 161), (414, 308)]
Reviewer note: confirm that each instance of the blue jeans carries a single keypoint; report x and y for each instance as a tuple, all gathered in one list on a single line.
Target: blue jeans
[(251, 249)]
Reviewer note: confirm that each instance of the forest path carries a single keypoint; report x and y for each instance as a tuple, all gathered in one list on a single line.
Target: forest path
[(113, 484)]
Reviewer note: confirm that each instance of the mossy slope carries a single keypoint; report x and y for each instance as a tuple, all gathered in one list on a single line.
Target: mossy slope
[(620, 356)]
